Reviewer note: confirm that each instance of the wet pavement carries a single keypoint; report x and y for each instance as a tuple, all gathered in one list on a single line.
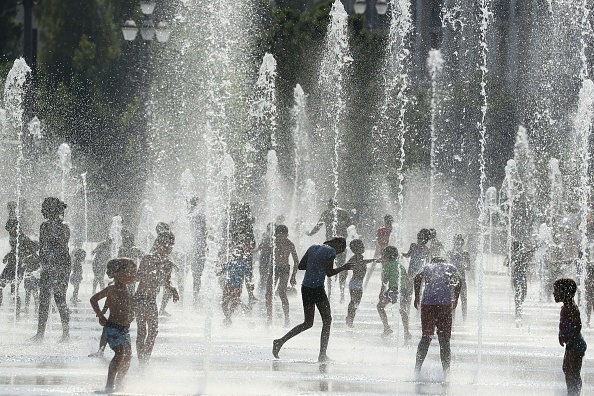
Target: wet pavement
[(237, 360)]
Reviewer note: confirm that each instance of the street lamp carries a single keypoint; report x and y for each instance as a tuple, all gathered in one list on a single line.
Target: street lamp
[(381, 6), (147, 30), (360, 6)]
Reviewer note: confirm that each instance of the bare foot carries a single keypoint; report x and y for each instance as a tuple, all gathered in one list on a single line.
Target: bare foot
[(276, 347), (37, 338), (324, 359)]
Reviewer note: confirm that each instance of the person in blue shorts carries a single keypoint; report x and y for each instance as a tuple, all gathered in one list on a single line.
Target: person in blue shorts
[(318, 263), (117, 326)]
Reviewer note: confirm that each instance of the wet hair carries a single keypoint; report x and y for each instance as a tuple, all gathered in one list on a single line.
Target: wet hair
[(281, 229), (424, 235), (194, 201), (116, 265), (166, 238), (52, 208), (437, 260), (388, 219), (337, 243), (162, 227), (356, 245), (390, 253), (567, 287)]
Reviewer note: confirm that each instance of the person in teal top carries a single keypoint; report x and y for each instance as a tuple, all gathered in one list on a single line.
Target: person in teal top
[(318, 263), (394, 282)]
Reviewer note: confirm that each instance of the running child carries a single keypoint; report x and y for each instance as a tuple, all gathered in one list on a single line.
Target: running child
[(359, 266), (236, 271), (117, 326), (394, 283)]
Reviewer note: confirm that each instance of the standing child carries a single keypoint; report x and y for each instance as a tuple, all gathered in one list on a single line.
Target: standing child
[(54, 257), (154, 270), (78, 257), (393, 284), (283, 248), (570, 336), (117, 326), (236, 271), (359, 266)]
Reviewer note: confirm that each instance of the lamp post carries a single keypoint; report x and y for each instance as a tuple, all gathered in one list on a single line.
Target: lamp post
[(381, 7), (147, 30)]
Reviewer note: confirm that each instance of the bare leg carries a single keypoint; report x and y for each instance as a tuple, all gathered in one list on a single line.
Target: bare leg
[(309, 313), (326, 314), (422, 351)]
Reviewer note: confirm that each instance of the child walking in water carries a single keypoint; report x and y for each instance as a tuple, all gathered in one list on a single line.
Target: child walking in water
[(117, 326), (235, 270), (154, 269), (570, 336), (393, 285), (359, 266), (283, 248), (318, 263)]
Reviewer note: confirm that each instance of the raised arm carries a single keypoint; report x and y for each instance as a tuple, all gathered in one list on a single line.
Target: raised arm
[(331, 271)]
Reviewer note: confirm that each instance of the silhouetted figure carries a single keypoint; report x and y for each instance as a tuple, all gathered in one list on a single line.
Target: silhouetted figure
[(318, 263), (235, 271), (336, 221), (359, 267), (154, 270), (460, 258), (197, 254), (77, 258), (239, 237), (418, 255), (520, 258), (279, 275), (101, 255), (570, 336), (265, 249), (55, 265), (589, 291), (382, 240)]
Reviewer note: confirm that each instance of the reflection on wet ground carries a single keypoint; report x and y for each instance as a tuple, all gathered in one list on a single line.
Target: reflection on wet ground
[(238, 361)]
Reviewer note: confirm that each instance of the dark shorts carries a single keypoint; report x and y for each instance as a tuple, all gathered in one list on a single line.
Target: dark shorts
[(436, 316), (117, 335), (311, 295)]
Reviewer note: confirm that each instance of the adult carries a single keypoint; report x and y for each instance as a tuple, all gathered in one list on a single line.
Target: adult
[(336, 220), (54, 257), (436, 308), (318, 263)]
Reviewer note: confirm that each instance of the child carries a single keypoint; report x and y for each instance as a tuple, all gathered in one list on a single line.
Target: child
[(154, 270), (54, 257), (570, 326), (359, 267), (283, 248), (78, 257), (117, 326), (102, 254), (236, 270), (418, 254), (318, 263), (460, 258), (393, 284)]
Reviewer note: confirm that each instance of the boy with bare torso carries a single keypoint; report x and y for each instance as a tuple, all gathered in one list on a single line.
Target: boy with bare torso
[(117, 326)]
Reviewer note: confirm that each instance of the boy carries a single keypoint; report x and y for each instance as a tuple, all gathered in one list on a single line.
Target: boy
[(359, 266), (318, 263), (153, 269), (236, 271), (117, 326), (393, 284), (570, 326), (283, 248)]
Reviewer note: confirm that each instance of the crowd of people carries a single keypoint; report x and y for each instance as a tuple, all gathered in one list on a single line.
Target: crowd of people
[(433, 282)]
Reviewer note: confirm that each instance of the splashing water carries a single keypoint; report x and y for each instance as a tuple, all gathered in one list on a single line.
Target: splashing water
[(115, 233), (65, 159), (435, 65)]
